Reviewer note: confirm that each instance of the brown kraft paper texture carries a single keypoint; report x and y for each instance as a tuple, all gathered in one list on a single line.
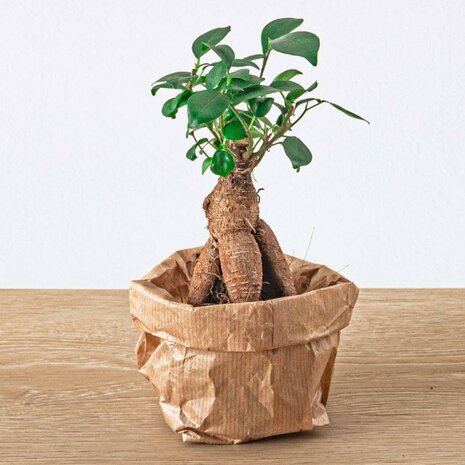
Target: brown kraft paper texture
[(232, 373)]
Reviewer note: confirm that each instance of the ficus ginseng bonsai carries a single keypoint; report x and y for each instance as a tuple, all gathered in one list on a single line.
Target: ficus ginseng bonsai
[(226, 99)]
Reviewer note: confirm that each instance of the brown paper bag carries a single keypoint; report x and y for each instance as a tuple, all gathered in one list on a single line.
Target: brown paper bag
[(226, 374)]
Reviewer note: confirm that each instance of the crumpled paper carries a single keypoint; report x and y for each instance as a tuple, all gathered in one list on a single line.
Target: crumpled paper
[(232, 373)]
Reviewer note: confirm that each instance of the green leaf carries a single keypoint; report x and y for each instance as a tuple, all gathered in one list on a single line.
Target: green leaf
[(252, 92), (215, 75), (265, 120), (170, 107), (206, 164), (287, 86), (173, 81), (243, 74), (241, 84), (157, 87), (191, 154), (175, 76), (229, 115), (255, 133), (183, 97), (313, 86), (293, 95), (347, 112), (305, 100), (304, 44), (261, 106), (217, 144), (234, 131), (205, 106), (238, 62), (225, 52), (282, 108), (213, 37), (257, 56), (256, 79), (335, 105), (278, 28), (222, 163), (287, 75), (297, 152)]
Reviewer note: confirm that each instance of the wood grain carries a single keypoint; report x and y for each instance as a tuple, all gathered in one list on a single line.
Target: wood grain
[(70, 392)]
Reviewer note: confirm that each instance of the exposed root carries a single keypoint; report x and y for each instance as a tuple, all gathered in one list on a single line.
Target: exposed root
[(241, 265), (275, 267), (247, 263), (232, 206), (232, 213), (206, 269)]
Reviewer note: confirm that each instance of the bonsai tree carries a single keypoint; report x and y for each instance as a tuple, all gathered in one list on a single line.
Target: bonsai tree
[(234, 119)]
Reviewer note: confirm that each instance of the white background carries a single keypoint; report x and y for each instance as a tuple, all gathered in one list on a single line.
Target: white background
[(94, 185)]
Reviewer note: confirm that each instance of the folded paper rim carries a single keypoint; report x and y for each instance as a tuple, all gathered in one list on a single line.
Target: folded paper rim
[(242, 327)]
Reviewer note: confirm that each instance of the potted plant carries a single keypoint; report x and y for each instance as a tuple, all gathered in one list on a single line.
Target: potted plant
[(238, 339)]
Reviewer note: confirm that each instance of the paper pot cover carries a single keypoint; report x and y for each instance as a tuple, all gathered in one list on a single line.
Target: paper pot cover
[(232, 373)]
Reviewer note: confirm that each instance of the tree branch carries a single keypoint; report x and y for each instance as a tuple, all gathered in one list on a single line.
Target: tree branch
[(284, 128), (267, 145)]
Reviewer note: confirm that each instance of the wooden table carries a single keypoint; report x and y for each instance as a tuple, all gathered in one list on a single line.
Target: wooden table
[(70, 392)]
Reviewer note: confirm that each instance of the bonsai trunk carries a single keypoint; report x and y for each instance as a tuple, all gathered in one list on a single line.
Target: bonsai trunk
[(242, 260)]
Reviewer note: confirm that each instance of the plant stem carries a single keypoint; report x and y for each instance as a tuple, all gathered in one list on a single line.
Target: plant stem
[(201, 148), (265, 60), (248, 154), (284, 128), (215, 135), (252, 121), (267, 145), (307, 108), (196, 67), (256, 144)]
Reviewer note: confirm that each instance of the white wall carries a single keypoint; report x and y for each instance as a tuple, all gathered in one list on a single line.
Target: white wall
[(94, 186)]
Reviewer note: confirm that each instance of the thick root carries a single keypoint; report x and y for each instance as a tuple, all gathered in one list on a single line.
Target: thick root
[(277, 277), (241, 265), (232, 213), (206, 270), (250, 257), (232, 206)]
